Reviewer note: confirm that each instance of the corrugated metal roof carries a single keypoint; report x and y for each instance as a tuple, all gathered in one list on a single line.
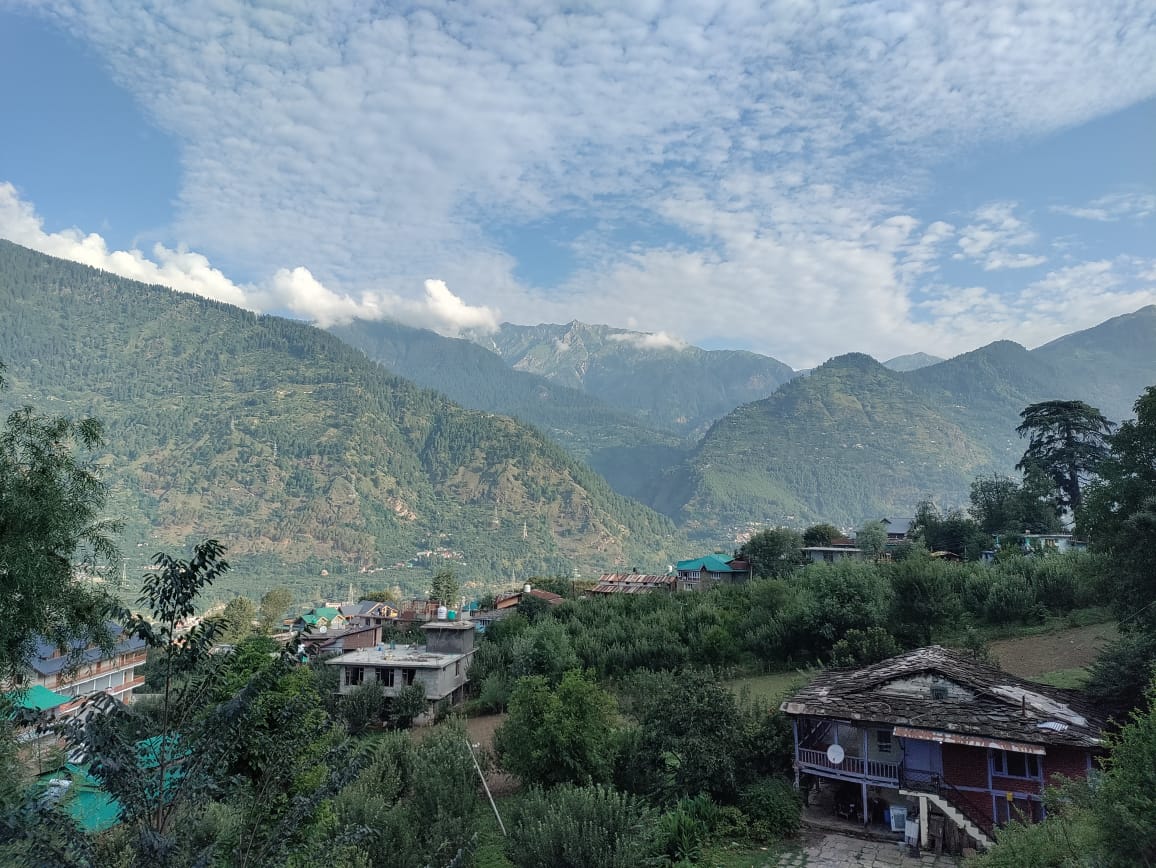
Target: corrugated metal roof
[(969, 740)]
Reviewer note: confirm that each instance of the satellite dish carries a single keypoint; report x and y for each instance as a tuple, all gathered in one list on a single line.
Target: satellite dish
[(835, 754)]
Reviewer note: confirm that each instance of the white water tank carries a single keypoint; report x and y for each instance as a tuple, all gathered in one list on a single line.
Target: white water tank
[(442, 612)]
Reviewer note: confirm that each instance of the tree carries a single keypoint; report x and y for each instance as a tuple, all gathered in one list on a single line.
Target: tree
[(577, 827), (408, 705), (274, 606), (558, 735), (51, 499), (1003, 507), (773, 552), (445, 590), (954, 532), (1066, 441), (821, 535), (239, 614), (872, 539)]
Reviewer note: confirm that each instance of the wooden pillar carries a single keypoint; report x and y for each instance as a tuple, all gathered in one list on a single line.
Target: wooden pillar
[(923, 838), (865, 817), (795, 731)]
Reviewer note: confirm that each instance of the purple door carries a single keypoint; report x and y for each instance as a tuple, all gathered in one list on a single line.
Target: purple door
[(922, 760)]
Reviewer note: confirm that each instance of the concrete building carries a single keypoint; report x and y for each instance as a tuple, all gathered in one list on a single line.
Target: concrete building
[(440, 665)]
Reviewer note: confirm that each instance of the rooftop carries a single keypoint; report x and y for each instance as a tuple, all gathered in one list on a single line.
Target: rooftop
[(980, 700), (414, 656), (632, 583), (710, 563)]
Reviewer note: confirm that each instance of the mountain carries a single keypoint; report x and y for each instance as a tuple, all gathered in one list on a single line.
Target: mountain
[(295, 449), (1110, 363), (613, 442), (854, 440), (668, 385), (911, 362)]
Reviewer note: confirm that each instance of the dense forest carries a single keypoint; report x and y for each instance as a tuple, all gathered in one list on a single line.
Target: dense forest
[(300, 452)]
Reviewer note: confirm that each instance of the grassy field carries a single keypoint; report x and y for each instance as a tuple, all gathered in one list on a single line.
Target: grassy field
[(1059, 658), (770, 689)]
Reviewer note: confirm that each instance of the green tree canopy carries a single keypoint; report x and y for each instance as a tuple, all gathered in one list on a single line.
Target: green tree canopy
[(872, 538), (51, 499), (821, 534), (1066, 441), (274, 607), (445, 590), (562, 734), (773, 552), (1003, 507)]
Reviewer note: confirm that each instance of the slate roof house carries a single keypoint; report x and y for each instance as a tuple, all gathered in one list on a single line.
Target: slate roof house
[(86, 670), (937, 732), (633, 583), (700, 573)]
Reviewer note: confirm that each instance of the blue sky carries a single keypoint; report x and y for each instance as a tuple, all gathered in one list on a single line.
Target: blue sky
[(797, 178)]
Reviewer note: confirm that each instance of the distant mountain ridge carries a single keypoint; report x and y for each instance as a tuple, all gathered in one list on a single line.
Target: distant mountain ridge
[(855, 440), (669, 385), (911, 362), (294, 448)]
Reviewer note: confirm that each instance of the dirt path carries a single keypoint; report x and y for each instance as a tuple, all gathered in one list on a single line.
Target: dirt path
[(1032, 656)]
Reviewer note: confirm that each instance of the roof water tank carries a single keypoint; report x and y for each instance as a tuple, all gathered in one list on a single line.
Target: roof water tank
[(452, 615), (442, 612)]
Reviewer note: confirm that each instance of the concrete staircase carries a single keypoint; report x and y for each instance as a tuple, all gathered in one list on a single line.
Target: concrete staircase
[(955, 814)]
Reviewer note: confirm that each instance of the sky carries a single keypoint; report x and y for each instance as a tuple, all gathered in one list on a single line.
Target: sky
[(801, 179)]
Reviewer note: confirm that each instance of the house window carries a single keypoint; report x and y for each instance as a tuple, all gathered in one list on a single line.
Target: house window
[(883, 740), (1010, 764), (354, 675), (385, 677), (457, 667), (407, 676), (693, 574)]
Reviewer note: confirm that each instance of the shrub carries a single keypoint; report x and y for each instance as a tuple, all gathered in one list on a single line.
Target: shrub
[(576, 827), (772, 807), (863, 647), (678, 836)]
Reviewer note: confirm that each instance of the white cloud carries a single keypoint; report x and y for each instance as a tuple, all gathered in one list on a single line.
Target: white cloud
[(1113, 207), (782, 143), (295, 290), (989, 239), (647, 341)]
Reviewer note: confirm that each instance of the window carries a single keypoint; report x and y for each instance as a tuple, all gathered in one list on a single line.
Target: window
[(354, 675), (1010, 764), (883, 740), (457, 667), (385, 677), (407, 676)]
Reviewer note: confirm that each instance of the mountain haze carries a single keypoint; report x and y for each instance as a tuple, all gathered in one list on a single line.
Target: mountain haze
[(293, 448), (667, 384), (614, 442)]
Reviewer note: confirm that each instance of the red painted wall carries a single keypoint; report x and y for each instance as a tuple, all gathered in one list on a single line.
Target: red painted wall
[(965, 766), (1067, 761)]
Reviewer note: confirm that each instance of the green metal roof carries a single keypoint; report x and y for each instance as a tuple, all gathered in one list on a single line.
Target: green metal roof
[(710, 563), (328, 612), (37, 698)]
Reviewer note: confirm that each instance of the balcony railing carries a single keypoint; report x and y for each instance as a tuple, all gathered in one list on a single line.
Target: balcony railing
[(852, 767)]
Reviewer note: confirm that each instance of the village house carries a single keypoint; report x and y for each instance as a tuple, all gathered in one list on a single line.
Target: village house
[(840, 549), (963, 745), (440, 665), (320, 619), (633, 583), (369, 613), (81, 672), (698, 574), (511, 601)]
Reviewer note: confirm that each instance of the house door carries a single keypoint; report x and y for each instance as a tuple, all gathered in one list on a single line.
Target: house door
[(922, 760)]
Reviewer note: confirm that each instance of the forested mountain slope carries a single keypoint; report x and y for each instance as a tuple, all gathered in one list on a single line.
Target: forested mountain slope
[(613, 442), (292, 447), (669, 386), (853, 440)]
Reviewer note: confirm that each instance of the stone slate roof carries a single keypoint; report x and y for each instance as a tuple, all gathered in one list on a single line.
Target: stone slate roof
[(46, 659), (632, 583), (1000, 705)]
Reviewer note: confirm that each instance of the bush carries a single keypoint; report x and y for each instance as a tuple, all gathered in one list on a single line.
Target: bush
[(362, 706), (678, 836), (773, 808), (577, 827), (863, 647), (1010, 598)]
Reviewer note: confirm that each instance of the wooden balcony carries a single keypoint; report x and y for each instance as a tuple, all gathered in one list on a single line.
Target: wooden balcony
[(852, 768)]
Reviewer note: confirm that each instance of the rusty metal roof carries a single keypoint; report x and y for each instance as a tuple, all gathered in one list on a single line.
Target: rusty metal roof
[(949, 693)]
